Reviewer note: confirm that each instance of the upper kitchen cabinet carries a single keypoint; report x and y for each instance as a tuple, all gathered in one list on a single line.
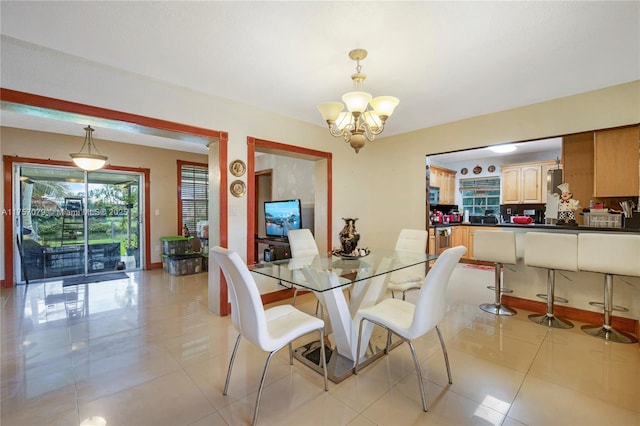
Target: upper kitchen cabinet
[(523, 183), (577, 163), (616, 160), (445, 179)]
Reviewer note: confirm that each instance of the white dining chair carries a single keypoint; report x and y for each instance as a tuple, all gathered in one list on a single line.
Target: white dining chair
[(302, 244), (270, 329), (413, 241), (409, 321)]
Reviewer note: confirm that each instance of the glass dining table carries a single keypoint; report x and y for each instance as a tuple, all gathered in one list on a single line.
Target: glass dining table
[(328, 277)]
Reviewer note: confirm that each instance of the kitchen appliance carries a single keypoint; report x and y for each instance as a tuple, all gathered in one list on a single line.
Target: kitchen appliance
[(453, 217), (554, 178), (443, 238), (522, 220), (437, 217)]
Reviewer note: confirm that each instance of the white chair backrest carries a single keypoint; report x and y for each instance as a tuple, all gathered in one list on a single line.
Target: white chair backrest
[(221, 258), (495, 246), (302, 243), (432, 301), (365, 294), (553, 251), (616, 254), (249, 307), (413, 240)]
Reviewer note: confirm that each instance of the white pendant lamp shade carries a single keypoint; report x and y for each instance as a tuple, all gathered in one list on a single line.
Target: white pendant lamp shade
[(89, 160), (330, 110), (372, 120), (343, 120), (383, 106), (364, 117), (356, 101)]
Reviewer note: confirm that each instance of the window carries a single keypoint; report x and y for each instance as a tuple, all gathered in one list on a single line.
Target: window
[(193, 202), (480, 194)]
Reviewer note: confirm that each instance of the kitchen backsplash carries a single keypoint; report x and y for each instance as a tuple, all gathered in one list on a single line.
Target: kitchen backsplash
[(508, 210)]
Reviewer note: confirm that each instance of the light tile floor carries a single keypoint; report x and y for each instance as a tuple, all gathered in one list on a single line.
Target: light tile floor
[(146, 351)]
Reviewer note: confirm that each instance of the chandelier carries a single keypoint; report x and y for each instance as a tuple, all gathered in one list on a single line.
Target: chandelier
[(366, 115), (87, 160)]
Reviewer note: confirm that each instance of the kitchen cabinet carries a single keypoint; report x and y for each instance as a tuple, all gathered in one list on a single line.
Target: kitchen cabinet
[(577, 165), (616, 158), (525, 183), (445, 179), (460, 236), (431, 247)]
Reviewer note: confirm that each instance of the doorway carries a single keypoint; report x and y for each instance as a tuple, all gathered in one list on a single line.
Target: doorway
[(74, 222)]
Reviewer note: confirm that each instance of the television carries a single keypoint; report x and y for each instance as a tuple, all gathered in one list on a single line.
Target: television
[(281, 216)]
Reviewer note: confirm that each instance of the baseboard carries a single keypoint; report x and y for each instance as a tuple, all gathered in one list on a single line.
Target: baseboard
[(628, 325), (157, 265)]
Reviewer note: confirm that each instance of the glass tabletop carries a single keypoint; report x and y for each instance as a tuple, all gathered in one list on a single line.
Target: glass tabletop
[(300, 271)]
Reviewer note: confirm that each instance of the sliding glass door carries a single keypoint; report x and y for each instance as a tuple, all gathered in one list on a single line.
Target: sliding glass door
[(70, 222)]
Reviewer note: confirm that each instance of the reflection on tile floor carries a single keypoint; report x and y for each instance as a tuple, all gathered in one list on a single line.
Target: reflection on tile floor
[(146, 351)]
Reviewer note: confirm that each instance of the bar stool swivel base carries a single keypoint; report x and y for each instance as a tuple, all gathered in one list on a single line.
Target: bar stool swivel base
[(608, 334), (550, 321), (497, 309)]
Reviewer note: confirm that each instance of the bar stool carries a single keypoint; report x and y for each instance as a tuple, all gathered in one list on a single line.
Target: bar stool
[(551, 251), (498, 247), (609, 254)]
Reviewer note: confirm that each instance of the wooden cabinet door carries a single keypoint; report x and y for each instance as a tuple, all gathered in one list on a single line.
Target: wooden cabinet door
[(460, 236), (451, 177), (511, 185), (616, 162), (531, 184), (434, 177), (444, 188)]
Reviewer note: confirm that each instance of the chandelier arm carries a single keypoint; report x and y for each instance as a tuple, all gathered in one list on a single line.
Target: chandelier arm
[(334, 130), (378, 129)]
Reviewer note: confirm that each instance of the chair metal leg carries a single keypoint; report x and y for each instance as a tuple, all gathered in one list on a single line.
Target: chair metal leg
[(444, 352), (264, 375), (295, 294), (386, 349), (605, 331), (290, 353), (417, 364), (323, 358), (355, 369), (233, 358), (548, 318), (496, 307)]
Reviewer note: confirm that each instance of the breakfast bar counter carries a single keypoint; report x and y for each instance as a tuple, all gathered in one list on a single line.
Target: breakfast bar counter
[(580, 288)]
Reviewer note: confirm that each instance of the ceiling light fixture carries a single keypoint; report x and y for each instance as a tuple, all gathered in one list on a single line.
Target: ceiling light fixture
[(501, 149), (365, 117), (89, 161)]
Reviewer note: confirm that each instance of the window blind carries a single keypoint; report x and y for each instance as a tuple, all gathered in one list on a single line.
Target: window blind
[(194, 195)]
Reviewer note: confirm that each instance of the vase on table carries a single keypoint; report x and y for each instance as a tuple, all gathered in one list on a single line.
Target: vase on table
[(349, 235)]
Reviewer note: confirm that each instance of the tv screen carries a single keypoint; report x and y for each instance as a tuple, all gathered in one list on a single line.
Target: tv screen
[(281, 216)]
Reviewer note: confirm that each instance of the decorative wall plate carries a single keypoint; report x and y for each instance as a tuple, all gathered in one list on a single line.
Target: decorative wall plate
[(464, 171), (238, 188), (237, 168), (492, 169), (477, 170)]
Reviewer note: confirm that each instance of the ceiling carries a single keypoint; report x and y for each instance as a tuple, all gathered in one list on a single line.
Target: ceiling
[(445, 61)]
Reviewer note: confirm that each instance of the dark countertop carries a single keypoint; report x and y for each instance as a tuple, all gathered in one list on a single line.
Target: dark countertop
[(539, 226)]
